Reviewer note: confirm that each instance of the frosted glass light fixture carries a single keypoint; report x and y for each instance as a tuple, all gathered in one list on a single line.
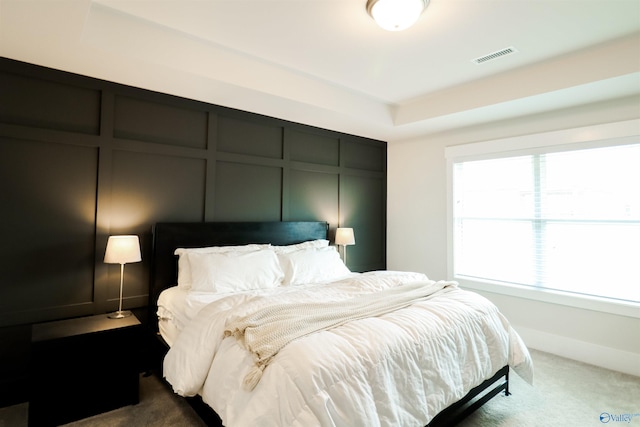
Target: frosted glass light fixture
[(396, 15), (122, 250)]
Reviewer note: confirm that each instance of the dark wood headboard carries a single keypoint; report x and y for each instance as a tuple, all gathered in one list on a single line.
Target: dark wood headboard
[(167, 237)]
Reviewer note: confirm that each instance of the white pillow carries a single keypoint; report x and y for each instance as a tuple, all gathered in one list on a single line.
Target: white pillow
[(184, 269), (320, 243), (312, 265), (234, 271)]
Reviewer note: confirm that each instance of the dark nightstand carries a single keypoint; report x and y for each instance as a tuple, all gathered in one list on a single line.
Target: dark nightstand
[(82, 367)]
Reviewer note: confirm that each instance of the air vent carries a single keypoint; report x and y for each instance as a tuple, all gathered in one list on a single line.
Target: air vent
[(495, 55)]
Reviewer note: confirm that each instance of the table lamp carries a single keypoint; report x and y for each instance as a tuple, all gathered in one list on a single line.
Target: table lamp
[(122, 250), (345, 237)]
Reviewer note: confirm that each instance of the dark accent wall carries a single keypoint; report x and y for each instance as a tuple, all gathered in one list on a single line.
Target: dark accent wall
[(81, 159)]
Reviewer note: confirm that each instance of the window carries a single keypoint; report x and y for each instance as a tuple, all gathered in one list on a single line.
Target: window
[(552, 218)]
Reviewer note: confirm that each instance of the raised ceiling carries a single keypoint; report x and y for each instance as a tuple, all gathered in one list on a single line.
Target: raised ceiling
[(326, 63)]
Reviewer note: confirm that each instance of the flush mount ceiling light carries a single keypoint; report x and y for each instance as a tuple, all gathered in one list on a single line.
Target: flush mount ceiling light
[(396, 15)]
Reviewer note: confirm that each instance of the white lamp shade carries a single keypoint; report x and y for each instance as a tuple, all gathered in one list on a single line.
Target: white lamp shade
[(396, 15), (344, 236), (122, 250)]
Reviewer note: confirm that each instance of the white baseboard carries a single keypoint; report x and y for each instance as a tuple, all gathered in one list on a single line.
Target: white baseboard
[(582, 351)]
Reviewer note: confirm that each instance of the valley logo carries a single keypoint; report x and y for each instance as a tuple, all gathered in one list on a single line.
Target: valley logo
[(606, 418)]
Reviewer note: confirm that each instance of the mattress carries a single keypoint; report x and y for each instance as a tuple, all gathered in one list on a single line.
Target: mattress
[(398, 368)]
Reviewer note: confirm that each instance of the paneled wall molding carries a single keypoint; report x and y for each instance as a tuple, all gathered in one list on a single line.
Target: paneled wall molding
[(84, 158), (103, 192)]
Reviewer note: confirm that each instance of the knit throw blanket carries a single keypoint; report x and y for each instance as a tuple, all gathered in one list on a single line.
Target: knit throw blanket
[(268, 329)]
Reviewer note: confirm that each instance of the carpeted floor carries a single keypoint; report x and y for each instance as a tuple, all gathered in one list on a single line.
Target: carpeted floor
[(565, 394), (158, 407)]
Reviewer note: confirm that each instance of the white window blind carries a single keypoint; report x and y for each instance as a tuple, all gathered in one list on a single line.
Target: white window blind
[(566, 221)]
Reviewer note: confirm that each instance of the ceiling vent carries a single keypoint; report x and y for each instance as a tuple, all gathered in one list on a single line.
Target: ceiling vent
[(495, 55)]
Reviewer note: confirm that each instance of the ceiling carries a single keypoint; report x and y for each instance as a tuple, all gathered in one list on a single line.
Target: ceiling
[(326, 63)]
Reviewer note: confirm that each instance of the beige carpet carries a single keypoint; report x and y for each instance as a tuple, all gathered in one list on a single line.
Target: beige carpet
[(158, 407), (565, 394)]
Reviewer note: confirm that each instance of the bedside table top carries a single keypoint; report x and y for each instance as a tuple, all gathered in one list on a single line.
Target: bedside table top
[(79, 326)]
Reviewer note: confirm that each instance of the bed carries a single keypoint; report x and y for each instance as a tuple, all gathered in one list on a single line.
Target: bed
[(437, 356)]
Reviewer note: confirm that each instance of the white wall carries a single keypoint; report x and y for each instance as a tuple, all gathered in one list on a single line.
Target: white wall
[(417, 237)]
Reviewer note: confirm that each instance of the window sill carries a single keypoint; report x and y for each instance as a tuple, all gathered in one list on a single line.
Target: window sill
[(611, 306)]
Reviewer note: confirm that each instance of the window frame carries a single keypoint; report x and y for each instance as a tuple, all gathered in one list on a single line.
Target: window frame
[(620, 133)]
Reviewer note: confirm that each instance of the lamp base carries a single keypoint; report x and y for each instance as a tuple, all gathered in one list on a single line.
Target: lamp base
[(119, 314)]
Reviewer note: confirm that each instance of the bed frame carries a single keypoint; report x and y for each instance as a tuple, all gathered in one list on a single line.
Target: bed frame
[(169, 236)]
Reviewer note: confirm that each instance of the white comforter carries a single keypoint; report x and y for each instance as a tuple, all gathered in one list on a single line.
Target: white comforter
[(398, 369)]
